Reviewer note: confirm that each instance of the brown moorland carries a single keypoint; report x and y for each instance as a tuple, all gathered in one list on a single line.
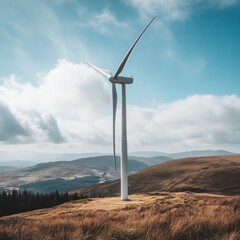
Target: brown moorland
[(217, 174), (150, 214), (168, 216)]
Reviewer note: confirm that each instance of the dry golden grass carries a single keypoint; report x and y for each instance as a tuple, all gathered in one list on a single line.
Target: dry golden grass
[(176, 216)]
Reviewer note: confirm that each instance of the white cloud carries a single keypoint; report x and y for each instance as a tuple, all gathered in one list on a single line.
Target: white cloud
[(68, 91), (10, 129), (69, 106), (105, 22), (74, 89), (197, 122), (170, 10), (176, 10), (224, 3)]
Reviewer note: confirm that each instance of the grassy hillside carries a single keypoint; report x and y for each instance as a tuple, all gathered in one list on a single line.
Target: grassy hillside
[(169, 216), (219, 174), (152, 213)]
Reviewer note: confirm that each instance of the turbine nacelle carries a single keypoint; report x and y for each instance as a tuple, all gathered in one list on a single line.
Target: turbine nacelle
[(121, 80)]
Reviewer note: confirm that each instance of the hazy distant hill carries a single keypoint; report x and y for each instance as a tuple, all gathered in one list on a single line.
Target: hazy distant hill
[(152, 160), (17, 164), (201, 153), (7, 169), (148, 154), (27, 159), (216, 174), (66, 175)]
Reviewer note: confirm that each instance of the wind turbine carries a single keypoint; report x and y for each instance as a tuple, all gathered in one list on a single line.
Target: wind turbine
[(116, 79)]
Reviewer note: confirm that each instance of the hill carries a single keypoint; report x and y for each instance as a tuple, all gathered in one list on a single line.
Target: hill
[(200, 153), (169, 216), (7, 169), (218, 174), (66, 175), (70, 175), (151, 160), (195, 153), (27, 159)]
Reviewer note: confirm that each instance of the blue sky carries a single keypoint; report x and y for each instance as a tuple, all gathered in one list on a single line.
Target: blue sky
[(186, 69)]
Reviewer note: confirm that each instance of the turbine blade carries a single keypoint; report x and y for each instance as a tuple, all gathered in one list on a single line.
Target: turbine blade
[(104, 72), (114, 101), (124, 61)]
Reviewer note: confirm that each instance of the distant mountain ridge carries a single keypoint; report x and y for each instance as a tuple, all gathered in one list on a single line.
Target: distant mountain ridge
[(68, 175), (148, 154), (195, 153), (26, 159), (200, 153)]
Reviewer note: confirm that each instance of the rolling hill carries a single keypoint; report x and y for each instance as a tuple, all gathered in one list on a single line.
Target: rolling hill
[(195, 153), (4, 169), (27, 159), (200, 153), (215, 174), (68, 175)]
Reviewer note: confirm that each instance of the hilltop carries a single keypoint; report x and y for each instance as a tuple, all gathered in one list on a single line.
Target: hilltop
[(217, 174)]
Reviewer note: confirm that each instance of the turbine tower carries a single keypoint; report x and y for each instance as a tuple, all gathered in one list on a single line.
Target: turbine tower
[(116, 79)]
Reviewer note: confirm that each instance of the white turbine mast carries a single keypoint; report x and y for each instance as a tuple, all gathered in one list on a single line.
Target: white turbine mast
[(116, 79)]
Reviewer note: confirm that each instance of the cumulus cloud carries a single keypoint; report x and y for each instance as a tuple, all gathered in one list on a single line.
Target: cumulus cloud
[(74, 89), (10, 128), (197, 122), (67, 91), (71, 106), (48, 124)]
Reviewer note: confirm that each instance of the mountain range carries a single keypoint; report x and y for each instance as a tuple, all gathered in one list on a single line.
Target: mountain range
[(79, 173), (27, 158), (68, 175)]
